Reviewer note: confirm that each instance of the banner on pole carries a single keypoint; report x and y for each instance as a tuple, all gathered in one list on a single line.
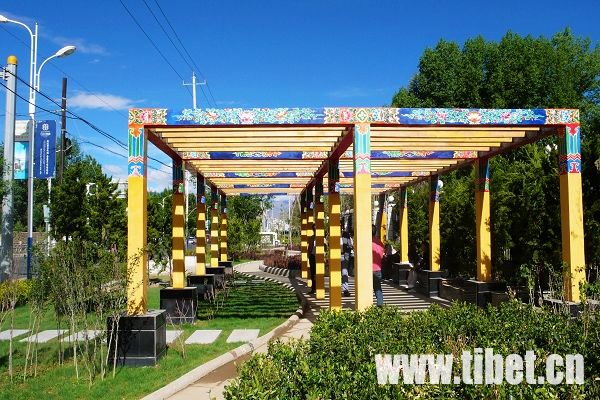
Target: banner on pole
[(45, 149), (21, 163)]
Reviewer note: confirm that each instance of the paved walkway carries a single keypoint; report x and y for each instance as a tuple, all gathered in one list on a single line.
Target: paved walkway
[(212, 385)]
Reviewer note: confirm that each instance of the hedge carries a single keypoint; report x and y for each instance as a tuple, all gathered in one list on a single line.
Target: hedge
[(337, 362)]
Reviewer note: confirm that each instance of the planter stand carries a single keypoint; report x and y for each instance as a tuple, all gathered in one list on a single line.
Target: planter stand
[(480, 293), (429, 282), (204, 284), (140, 339), (180, 305)]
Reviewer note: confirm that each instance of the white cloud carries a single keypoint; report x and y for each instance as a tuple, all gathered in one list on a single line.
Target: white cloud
[(82, 45), (159, 179), (117, 172), (101, 100)]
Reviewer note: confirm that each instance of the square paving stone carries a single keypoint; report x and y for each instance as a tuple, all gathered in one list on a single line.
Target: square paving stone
[(5, 335), (203, 336), (44, 336), (243, 335), (80, 336), (172, 336)]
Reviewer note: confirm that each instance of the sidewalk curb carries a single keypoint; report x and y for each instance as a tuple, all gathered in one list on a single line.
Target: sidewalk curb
[(189, 378)]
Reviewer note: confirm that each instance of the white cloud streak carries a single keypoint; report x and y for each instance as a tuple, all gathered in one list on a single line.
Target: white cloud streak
[(103, 101)]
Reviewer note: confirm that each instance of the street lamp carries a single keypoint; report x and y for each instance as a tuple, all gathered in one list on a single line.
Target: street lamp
[(34, 86)]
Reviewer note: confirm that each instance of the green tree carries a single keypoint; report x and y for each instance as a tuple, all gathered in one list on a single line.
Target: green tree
[(516, 72)]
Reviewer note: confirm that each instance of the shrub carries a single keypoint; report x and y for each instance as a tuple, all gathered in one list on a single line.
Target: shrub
[(20, 290), (337, 362), (278, 259)]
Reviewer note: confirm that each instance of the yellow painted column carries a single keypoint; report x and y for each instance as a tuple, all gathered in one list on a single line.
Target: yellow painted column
[(434, 223), (303, 237), (571, 211), (403, 224), (200, 226), (223, 233), (178, 238), (335, 235), (483, 225), (214, 228), (363, 248), (137, 222), (320, 239), (310, 220)]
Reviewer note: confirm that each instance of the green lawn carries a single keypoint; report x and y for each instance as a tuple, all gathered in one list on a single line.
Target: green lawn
[(250, 305)]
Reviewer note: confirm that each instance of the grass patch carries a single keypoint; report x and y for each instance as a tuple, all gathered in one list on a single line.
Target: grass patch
[(248, 305)]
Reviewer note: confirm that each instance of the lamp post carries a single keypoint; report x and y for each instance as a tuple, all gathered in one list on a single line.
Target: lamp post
[(34, 80)]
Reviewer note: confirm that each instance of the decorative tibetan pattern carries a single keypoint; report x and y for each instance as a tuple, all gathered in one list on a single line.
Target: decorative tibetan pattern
[(196, 155), (569, 147), (434, 188), (419, 173), (562, 116), (255, 154), (362, 149), (407, 154), (386, 154), (214, 175), (311, 155), (466, 116), (136, 151), (153, 116), (240, 116), (356, 115), (483, 175), (178, 178), (465, 154)]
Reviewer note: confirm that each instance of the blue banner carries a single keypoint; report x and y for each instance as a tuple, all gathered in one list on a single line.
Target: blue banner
[(21, 159), (45, 149)]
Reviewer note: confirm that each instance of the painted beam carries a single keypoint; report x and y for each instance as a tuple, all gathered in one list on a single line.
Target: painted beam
[(363, 260), (483, 222), (571, 211)]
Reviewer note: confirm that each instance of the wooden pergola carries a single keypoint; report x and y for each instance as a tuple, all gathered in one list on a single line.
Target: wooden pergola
[(316, 152)]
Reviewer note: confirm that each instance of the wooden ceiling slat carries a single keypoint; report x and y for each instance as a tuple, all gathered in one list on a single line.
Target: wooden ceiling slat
[(313, 141), (417, 147), (428, 140), (261, 147), (454, 128)]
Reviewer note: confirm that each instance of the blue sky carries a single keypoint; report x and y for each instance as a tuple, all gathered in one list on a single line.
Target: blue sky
[(252, 53)]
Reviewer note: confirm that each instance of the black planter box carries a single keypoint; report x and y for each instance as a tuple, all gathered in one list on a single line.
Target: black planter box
[(429, 282), (480, 293), (137, 340), (574, 309), (228, 265), (219, 273), (204, 284), (180, 305), (451, 292), (400, 275)]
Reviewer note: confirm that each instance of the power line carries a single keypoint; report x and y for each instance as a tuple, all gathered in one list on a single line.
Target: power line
[(188, 54), (151, 41)]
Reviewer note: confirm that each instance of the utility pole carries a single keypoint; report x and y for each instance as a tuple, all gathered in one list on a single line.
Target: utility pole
[(6, 258), (186, 174), (63, 128)]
